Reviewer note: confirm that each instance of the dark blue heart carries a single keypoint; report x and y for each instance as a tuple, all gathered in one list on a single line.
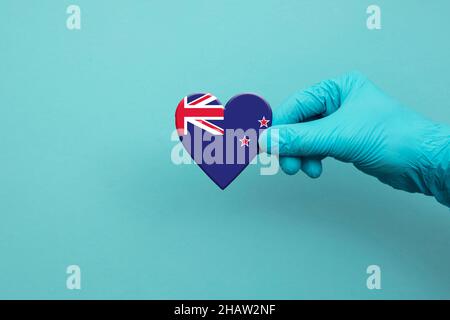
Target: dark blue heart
[(222, 140)]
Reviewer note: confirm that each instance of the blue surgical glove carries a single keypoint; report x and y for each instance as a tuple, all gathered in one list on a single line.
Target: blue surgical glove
[(350, 119)]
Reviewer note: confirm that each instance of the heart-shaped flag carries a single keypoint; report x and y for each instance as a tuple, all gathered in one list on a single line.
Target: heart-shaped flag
[(222, 140)]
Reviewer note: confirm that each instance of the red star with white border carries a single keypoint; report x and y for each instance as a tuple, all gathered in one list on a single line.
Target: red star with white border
[(263, 122), (244, 141)]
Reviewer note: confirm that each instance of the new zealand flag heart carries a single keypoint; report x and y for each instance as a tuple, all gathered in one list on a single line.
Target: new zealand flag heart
[(222, 140)]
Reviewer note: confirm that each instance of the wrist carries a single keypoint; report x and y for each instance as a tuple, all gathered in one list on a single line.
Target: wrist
[(437, 175)]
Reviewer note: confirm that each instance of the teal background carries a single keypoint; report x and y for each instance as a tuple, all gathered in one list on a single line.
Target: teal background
[(86, 176)]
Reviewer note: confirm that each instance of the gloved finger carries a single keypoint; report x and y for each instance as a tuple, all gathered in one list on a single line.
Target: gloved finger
[(290, 165), (317, 101), (318, 138), (312, 167)]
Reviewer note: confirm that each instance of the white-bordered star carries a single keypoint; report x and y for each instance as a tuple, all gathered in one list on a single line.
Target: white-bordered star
[(263, 122), (244, 141)]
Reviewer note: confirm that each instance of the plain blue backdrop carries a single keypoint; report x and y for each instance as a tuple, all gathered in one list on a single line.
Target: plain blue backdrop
[(86, 176)]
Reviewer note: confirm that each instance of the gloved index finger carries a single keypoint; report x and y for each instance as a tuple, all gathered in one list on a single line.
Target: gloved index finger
[(319, 100)]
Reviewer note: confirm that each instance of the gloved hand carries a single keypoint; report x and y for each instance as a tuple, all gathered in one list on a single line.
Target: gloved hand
[(350, 119)]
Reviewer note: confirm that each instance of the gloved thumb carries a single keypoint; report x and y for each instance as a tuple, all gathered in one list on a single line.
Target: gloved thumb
[(316, 138)]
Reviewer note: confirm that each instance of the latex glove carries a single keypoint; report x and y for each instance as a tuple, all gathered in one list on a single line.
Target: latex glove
[(350, 119)]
